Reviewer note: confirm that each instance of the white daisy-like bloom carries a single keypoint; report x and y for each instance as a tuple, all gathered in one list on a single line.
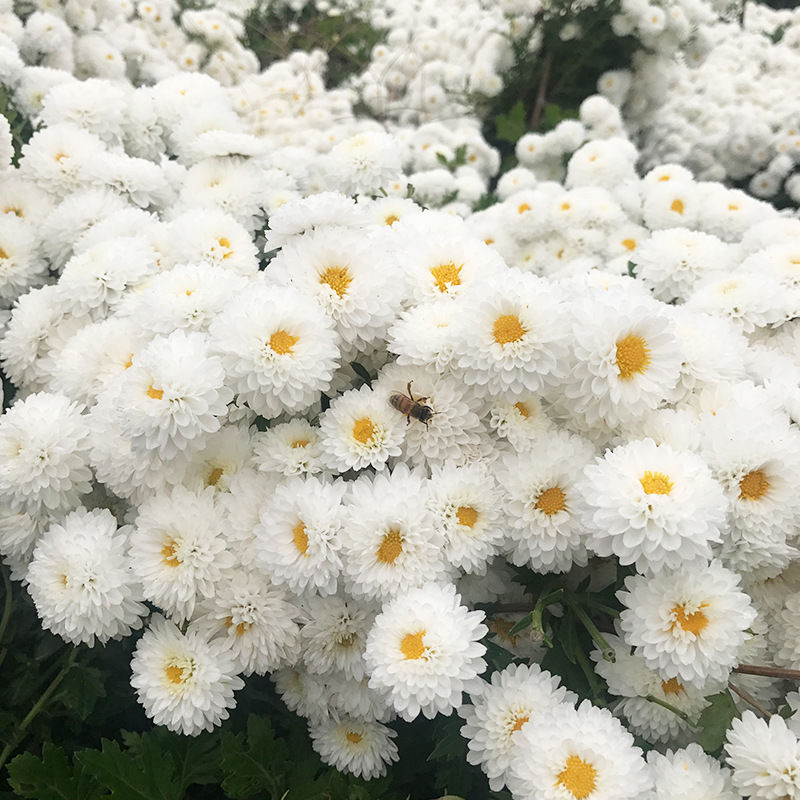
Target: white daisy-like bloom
[(764, 757), (626, 357), (172, 395), (363, 163), (290, 448), (19, 533), (516, 695), (784, 632), (360, 429), (178, 549), (226, 452), (467, 512), (81, 582), (388, 210), (336, 266), (186, 296), (520, 418), (184, 681), (543, 502), (44, 444), (629, 677), (256, 620), (390, 543), (687, 623), (424, 649), (454, 427), (571, 754), (298, 539), (653, 506), (361, 747), (689, 774), (512, 337), (21, 267), (352, 698), (334, 635), (302, 692), (426, 335), (279, 350)]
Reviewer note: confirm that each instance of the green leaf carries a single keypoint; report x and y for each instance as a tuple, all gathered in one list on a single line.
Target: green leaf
[(509, 127), (51, 777), (715, 721), (146, 775), (460, 157), (362, 373), (255, 763), (442, 159), (81, 689), (568, 637), (497, 656), (631, 269), (521, 624)]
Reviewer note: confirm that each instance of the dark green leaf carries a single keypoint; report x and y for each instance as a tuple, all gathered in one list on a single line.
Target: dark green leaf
[(442, 159), (460, 157), (568, 637), (362, 373), (51, 778), (511, 126), (521, 624), (497, 656), (81, 689), (631, 269), (715, 721), (255, 763)]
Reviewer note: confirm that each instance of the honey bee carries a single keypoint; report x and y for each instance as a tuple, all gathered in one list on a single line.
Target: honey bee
[(412, 407)]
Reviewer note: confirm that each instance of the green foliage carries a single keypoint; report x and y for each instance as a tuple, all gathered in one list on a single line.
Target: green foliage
[(715, 721), (51, 777), (509, 126), (21, 127), (458, 160)]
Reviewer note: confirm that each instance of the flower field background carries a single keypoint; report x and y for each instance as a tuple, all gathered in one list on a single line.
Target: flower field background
[(400, 400)]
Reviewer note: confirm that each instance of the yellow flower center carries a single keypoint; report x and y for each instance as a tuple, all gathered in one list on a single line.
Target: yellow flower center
[(671, 686), (508, 328), (633, 356), (168, 555), (129, 362), (214, 476), (175, 674), (363, 430), (656, 483), (13, 210), (446, 275), (522, 208), (523, 409), (677, 206), (753, 486), (629, 244), (156, 394), (282, 342), (338, 278), (353, 737), (300, 537), (578, 777), (551, 501), (299, 443), (412, 646), (391, 219), (467, 516), (390, 548), (3, 253), (691, 623), (519, 722)]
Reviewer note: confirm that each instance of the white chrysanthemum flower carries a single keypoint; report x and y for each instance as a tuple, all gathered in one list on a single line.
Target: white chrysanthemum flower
[(360, 429), (226, 452), (363, 163), (44, 443), (687, 623), (298, 538), (689, 774), (570, 754), (784, 633), (424, 650), (302, 692), (335, 634), (21, 266), (360, 747), (291, 448), (337, 268), (184, 681), (80, 579), (390, 543), (172, 395), (626, 357), (629, 677), (467, 512), (178, 549), (512, 337), (653, 506), (453, 429), (426, 335), (279, 350), (520, 418), (19, 533), (257, 621), (543, 502), (516, 695), (764, 757), (352, 698)]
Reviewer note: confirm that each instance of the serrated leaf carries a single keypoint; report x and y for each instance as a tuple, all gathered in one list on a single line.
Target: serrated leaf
[(81, 689), (51, 777), (253, 763), (715, 721), (147, 775), (509, 127)]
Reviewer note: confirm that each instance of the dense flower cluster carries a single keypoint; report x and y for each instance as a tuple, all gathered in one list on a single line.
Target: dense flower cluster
[(312, 419)]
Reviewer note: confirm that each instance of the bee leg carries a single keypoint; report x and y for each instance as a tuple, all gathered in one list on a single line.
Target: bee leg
[(408, 419), (408, 389)]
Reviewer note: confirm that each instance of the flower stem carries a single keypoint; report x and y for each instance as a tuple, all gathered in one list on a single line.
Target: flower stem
[(605, 648), (749, 699), (6, 613), (664, 704), (768, 672)]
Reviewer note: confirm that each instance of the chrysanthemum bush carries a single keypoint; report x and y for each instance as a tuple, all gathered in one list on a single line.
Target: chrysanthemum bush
[(575, 578)]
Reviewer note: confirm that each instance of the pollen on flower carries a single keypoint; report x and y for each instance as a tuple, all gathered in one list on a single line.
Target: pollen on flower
[(633, 356), (353, 737), (214, 476), (671, 686), (155, 394), (677, 206), (299, 443), (446, 275), (391, 547), (467, 516), (522, 208), (519, 721), (507, 329), (129, 362), (363, 430), (390, 220), (169, 555), (338, 278), (551, 501), (691, 623), (3, 253), (578, 777), (300, 537), (174, 673), (656, 483), (522, 409), (412, 646), (629, 244), (754, 485), (282, 342)]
